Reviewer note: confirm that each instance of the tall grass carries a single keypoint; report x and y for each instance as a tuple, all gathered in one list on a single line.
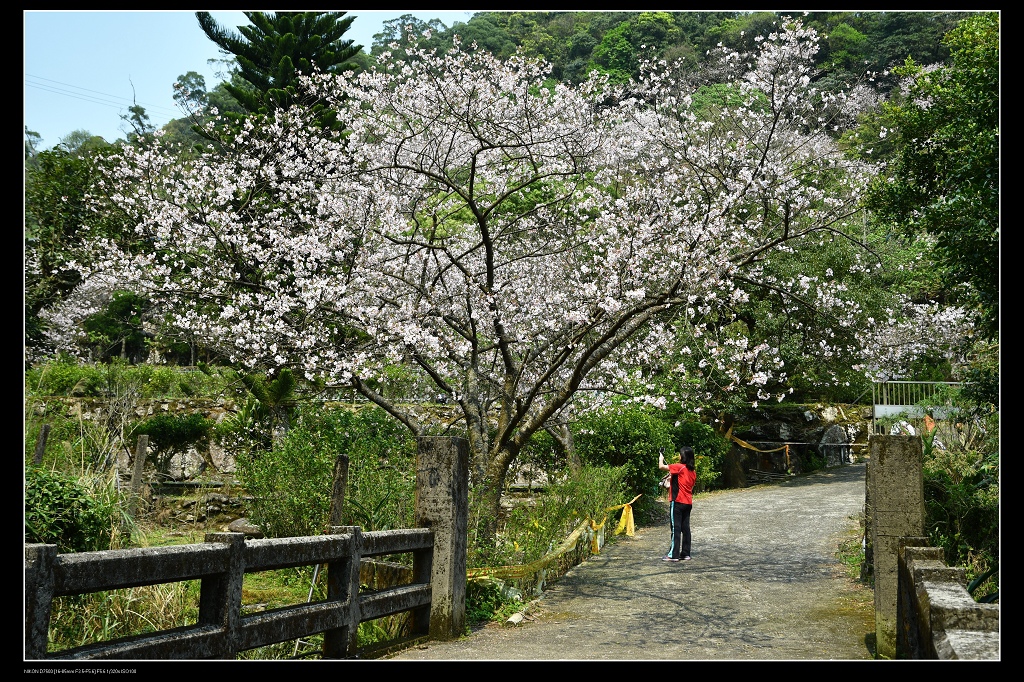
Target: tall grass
[(78, 620)]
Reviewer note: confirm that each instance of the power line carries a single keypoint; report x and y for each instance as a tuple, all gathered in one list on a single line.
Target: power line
[(99, 97)]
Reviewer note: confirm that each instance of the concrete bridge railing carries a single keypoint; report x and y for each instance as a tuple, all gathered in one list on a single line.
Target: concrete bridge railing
[(435, 595), (222, 631), (938, 617), (922, 607)]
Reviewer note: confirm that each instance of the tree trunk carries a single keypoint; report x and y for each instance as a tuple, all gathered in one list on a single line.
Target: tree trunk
[(565, 445)]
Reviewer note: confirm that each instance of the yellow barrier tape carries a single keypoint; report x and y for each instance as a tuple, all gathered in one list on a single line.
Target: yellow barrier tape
[(751, 447), (595, 546), (516, 572), (626, 524)]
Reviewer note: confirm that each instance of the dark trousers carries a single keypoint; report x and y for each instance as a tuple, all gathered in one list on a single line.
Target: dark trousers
[(679, 520)]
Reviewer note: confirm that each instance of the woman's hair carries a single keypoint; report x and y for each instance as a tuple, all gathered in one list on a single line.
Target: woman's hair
[(686, 457)]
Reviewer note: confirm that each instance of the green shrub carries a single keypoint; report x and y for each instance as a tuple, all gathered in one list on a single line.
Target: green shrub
[(490, 599), (542, 453), (171, 434), (67, 376), (531, 530), (709, 448), (962, 511), (291, 484), (76, 514), (63, 377), (627, 436)]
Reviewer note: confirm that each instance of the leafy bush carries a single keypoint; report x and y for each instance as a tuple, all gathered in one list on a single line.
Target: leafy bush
[(76, 514), (291, 484), (490, 599), (67, 376), (961, 486), (531, 530), (541, 454), (629, 437), (709, 448), (171, 434), (64, 376)]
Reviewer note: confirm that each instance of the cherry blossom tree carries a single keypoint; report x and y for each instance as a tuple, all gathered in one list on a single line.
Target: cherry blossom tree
[(522, 246)]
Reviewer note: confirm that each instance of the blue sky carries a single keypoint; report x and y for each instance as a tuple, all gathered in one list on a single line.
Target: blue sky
[(81, 67)]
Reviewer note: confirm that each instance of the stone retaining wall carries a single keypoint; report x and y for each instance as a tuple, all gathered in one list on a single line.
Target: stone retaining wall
[(922, 607), (938, 618)]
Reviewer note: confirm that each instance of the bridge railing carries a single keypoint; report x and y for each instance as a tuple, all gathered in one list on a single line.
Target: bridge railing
[(221, 630), (937, 618), (890, 398)]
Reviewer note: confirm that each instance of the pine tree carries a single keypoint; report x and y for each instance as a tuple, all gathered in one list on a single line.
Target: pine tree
[(278, 46)]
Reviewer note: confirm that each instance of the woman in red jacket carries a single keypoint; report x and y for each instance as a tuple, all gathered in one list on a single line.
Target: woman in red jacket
[(682, 476)]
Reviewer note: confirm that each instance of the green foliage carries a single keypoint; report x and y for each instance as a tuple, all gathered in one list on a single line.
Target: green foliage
[(627, 436), (269, 407), (944, 177), (171, 434), (76, 514), (961, 482), (490, 600), (83, 619), (292, 483), (59, 224), (709, 448), (116, 331), (542, 454), (62, 376), (531, 530), (275, 49), (66, 376)]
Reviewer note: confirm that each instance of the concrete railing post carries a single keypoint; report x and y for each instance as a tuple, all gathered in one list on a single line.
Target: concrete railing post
[(220, 596), (442, 504), (895, 484), (39, 560), (41, 444), (343, 586)]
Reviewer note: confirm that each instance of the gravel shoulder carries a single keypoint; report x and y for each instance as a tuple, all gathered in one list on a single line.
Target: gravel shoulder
[(764, 584)]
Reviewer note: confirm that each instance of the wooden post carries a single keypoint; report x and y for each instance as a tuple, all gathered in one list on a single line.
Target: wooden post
[(136, 483), (442, 504), (340, 482), (44, 432)]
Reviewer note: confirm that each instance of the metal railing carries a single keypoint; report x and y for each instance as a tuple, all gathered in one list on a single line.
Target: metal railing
[(890, 398)]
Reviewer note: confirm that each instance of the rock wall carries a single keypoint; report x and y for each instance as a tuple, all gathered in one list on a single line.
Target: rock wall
[(98, 410), (832, 434)]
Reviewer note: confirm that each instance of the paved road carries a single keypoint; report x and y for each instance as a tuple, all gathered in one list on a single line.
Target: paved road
[(764, 583)]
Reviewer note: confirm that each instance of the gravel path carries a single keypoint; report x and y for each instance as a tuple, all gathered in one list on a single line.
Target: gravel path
[(764, 583)]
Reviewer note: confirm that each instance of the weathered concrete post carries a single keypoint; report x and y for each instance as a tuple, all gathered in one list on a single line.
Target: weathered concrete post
[(343, 585), (41, 444), (895, 483), (220, 595), (39, 560), (141, 448), (442, 504)]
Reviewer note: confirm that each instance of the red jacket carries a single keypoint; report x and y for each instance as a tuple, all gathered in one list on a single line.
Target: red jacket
[(682, 483)]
